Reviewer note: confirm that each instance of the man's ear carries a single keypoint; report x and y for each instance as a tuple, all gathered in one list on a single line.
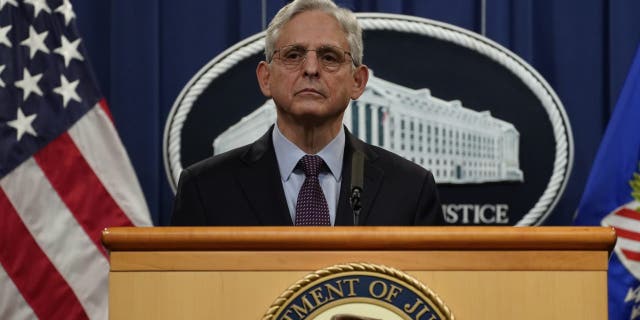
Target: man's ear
[(263, 73), (360, 78)]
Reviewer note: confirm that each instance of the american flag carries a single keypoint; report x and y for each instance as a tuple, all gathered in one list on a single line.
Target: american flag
[(64, 174)]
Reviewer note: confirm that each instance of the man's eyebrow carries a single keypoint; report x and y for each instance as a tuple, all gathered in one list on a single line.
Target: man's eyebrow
[(297, 45)]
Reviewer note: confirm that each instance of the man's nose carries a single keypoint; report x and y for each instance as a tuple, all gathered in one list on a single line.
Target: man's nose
[(311, 64)]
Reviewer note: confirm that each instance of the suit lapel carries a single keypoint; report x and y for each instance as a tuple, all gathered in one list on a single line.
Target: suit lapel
[(372, 180), (262, 185)]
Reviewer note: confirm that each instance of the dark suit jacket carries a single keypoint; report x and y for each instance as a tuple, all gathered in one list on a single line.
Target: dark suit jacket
[(242, 187)]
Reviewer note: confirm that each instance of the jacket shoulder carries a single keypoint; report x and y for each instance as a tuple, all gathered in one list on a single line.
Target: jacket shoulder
[(228, 160)]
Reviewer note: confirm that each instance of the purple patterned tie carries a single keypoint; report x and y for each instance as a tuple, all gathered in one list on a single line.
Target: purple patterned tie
[(311, 208)]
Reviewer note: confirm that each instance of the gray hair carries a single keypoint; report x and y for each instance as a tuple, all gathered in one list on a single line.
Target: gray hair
[(345, 18)]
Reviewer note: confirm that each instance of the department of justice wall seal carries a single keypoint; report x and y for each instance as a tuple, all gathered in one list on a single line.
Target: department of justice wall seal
[(487, 125), (358, 291)]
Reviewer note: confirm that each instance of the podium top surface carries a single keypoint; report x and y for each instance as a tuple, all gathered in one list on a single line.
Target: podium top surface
[(358, 238)]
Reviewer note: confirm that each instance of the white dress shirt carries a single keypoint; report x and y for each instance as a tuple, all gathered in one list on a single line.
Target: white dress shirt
[(288, 155)]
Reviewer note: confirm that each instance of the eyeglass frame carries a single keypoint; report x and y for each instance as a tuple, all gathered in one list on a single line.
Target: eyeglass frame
[(306, 51)]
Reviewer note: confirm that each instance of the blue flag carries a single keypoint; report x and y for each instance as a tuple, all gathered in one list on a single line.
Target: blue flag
[(612, 197)]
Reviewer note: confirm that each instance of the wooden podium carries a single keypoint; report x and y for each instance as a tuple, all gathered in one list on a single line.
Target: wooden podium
[(479, 272)]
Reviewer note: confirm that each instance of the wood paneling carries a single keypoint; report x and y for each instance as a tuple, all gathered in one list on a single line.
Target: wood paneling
[(491, 295), (358, 238), (404, 260), (479, 272)]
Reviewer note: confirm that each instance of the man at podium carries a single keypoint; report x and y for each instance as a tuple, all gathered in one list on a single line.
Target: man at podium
[(308, 169)]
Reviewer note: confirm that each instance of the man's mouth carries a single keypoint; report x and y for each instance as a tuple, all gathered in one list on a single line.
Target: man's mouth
[(312, 91)]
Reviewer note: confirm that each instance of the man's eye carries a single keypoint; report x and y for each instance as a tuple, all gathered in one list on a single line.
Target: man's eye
[(330, 57), (293, 55)]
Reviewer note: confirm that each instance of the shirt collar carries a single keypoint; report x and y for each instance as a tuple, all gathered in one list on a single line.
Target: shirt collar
[(288, 154)]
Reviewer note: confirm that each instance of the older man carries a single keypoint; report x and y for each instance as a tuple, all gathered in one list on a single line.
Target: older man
[(300, 171)]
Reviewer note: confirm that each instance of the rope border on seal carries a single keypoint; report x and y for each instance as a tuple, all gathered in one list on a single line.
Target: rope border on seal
[(361, 266), (563, 160), (534, 81), (182, 106)]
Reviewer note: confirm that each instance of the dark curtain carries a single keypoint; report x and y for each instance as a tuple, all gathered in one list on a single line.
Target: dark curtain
[(144, 52)]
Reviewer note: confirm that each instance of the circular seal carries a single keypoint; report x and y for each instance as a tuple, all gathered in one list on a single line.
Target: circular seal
[(484, 122), (358, 291)]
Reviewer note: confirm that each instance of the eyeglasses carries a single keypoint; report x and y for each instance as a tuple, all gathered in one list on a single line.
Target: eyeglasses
[(330, 57)]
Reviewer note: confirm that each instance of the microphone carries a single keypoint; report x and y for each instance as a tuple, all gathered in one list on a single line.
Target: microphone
[(357, 173)]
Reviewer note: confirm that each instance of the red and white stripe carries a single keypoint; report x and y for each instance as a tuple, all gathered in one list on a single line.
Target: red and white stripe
[(626, 221), (54, 207), (12, 305)]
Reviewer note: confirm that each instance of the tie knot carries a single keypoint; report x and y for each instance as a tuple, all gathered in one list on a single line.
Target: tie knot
[(311, 165)]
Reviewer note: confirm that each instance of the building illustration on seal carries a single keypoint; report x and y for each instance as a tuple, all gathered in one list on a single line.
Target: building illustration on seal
[(458, 145)]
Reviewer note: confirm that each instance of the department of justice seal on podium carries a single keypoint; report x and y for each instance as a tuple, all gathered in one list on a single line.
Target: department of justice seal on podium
[(358, 291)]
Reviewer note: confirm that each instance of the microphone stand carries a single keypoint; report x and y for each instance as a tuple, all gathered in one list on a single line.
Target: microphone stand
[(357, 173)]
